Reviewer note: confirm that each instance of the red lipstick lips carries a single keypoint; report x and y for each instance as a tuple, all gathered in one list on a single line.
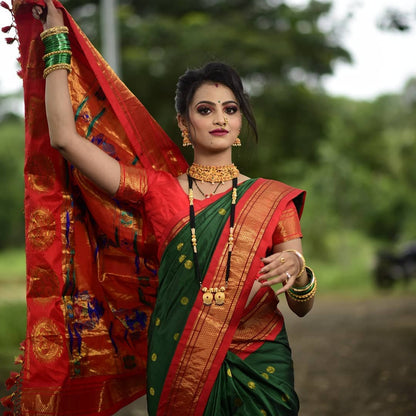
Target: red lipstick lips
[(219, 132)]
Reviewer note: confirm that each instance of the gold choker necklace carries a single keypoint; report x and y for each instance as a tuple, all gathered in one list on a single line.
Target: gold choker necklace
[(213, 174)]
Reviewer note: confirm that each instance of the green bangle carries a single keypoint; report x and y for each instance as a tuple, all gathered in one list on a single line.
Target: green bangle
[(57, 58), (311, 277)]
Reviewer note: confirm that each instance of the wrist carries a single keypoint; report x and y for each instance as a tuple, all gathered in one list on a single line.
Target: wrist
[(301, 262)]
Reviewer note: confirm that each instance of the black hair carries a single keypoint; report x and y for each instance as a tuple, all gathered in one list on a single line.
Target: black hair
[(219, 72)]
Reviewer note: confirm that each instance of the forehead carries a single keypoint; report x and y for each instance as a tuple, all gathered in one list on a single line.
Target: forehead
[(215, 92)]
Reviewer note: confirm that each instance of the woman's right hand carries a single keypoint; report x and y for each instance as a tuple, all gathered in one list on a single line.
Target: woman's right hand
[(50, 16)]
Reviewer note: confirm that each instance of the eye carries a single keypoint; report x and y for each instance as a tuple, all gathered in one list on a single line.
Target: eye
[(231, 109), (204, 110)]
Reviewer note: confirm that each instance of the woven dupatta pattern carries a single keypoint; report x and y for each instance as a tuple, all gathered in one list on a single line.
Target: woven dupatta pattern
[(91, 261)]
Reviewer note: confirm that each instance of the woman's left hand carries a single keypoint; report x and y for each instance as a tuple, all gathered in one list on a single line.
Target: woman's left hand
[(280, 267)]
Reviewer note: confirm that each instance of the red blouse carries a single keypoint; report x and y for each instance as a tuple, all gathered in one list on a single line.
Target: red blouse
[(163, 197)]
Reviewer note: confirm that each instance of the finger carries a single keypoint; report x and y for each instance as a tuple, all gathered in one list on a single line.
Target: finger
[(37, 12), (283, 289), (269, 259), (275, 269)]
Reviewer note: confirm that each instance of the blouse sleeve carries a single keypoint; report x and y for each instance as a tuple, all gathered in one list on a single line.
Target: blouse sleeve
[(288, 227), (133, 184)]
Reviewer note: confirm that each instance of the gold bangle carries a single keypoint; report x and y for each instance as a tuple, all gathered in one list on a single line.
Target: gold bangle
[(312, 278), (56, 67), (53, 31), (300, 257), (67, 51), (304, 298)]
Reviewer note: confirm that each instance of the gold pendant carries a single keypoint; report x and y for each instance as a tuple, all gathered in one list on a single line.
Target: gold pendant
[(207, 297), (211, 294), (220, 298)]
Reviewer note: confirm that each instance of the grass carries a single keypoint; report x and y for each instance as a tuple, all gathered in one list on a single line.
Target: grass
[(12, 264)]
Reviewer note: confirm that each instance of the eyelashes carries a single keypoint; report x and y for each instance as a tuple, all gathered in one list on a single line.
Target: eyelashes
[(205, 110)]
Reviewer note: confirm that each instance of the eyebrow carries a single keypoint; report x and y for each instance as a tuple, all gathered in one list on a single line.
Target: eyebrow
[(212, 103)]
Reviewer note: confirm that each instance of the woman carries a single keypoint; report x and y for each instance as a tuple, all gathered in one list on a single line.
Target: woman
[(227, 245)]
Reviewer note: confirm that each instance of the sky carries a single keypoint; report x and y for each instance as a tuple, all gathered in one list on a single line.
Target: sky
[(382, 61)]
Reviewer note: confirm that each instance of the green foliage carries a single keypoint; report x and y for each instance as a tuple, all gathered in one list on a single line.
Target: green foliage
[(11, 186)]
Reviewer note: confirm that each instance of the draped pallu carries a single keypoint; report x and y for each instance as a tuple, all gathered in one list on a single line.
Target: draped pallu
[(91, 262)]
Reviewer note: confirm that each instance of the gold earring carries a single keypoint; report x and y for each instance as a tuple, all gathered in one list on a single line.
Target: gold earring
[(185, 135), (237, 142)]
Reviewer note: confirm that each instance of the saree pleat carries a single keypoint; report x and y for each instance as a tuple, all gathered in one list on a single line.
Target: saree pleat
[(261, 384)]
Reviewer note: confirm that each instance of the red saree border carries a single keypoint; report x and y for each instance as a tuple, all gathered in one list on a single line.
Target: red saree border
[(209, 330)]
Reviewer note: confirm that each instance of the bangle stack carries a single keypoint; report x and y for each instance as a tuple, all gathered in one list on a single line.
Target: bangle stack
[(307, 292), (57, 49)]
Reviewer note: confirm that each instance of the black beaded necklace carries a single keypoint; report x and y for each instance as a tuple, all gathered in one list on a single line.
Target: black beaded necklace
[(212, 293)]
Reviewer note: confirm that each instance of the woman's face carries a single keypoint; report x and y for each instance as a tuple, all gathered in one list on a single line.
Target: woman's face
[(214, 118)]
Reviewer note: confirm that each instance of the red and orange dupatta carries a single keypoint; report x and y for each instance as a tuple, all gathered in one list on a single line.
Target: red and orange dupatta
[(91, 263)]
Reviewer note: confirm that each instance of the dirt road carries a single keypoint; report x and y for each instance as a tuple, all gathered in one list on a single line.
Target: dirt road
[(356, 357)]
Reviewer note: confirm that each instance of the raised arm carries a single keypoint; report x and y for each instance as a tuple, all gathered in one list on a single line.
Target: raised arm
[(94, 163)]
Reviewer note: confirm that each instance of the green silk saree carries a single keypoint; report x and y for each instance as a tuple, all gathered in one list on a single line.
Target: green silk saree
[(228, 359)]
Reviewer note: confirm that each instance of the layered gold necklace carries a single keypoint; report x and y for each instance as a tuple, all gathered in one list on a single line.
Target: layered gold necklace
[(212, 294), (213, 174)]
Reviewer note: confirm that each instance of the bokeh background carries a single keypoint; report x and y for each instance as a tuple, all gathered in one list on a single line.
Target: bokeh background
[(333, 86)]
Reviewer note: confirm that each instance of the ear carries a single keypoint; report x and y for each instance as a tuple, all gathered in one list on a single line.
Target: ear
[(182, 122)]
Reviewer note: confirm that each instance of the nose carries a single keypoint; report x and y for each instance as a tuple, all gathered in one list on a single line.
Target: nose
[(221, 123)]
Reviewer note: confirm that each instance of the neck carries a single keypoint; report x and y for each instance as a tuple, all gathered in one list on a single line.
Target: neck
[(216, 159)]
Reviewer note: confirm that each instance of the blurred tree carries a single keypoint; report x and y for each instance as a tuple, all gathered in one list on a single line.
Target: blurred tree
[(395, 20), (366, 172)]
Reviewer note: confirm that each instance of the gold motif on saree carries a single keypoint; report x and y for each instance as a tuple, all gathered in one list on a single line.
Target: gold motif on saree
[(40, 172), (251, 385), (188, 264), (184, 301), (41, 229), (270, 369), (176, 336), (182, 258), (47, 342), (45, 404)]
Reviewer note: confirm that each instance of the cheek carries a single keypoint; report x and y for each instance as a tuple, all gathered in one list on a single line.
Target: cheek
[(237, 124)]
